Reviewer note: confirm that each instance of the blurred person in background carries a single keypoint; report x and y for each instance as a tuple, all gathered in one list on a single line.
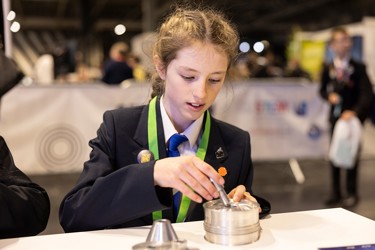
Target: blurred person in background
[(62, 64), (139, 71), (347, 88), (239, 71), (116, 68), (294, 69), (267, 65)]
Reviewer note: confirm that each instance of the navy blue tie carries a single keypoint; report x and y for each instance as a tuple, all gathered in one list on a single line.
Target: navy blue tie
[(174, 142)]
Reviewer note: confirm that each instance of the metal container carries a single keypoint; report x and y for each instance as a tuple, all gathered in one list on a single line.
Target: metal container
[(236, 224)]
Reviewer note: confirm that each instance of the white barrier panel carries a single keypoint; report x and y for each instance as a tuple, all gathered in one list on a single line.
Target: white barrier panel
[(285, 120), (48, 128)]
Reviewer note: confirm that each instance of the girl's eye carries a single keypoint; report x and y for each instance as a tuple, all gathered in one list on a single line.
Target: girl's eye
[(215, 80), (188, 78)]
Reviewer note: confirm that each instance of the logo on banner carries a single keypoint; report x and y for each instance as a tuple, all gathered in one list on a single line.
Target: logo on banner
[(276, 107), (60, 147), (314, 132), (271, 107), (301, 108)]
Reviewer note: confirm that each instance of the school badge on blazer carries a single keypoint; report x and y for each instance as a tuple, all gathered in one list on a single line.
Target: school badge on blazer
[(145, 156)]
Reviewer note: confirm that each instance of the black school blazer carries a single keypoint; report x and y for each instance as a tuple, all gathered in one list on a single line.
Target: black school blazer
[(116, 191), (356, 94)]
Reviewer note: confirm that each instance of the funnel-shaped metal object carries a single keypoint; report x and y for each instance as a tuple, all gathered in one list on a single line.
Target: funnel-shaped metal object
[(162, 237), (161, 231)]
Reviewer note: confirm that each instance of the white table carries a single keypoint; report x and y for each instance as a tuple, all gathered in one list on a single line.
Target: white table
[(298, 230)]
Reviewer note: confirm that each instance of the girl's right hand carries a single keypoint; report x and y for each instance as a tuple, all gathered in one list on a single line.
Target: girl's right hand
[(188, 174)]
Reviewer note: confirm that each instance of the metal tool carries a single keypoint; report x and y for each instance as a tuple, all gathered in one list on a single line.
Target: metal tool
[(223, 195)]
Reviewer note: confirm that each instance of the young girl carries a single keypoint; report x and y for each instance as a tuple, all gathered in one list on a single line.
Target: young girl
[(129, 179)]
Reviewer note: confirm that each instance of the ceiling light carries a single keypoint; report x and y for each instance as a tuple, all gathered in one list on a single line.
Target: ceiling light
[(244, 47), (11, 15), (15, 27), (120, 29)]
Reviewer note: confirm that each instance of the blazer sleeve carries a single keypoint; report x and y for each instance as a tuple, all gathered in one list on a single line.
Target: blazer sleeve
[(24, 205), (264, 204), (107, 195), (364, 104), (323, 91)]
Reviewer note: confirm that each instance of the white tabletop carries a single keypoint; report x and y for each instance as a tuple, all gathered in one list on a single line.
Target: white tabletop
[(298, 230)]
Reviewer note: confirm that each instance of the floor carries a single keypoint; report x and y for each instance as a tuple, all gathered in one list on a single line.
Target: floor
[(274, 181)]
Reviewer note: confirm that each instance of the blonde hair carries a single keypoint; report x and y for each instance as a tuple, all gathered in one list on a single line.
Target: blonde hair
[(338, 29), (183, 27)]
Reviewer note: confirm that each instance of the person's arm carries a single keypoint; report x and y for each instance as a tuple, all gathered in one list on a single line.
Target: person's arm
[(363, 106), (323, 91), (107, 195), (24, 205)]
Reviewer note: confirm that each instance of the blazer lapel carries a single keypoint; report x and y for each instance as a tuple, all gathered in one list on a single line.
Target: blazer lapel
[(216, 151), (141, 134)]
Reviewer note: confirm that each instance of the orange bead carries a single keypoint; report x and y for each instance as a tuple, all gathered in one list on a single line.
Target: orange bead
[(222, 171)]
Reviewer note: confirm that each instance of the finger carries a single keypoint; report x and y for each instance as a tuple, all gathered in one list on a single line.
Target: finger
[(249, 197), (208, 171), (198, 180), (187, 191), (197, 184), (238, 193)]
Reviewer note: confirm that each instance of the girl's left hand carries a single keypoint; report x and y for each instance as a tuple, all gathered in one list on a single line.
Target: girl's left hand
[(240, 193)]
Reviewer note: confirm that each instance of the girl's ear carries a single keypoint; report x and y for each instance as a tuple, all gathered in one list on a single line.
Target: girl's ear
[(159, 67)]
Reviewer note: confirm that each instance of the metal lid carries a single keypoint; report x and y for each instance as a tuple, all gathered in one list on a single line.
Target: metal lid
[(243, 205)]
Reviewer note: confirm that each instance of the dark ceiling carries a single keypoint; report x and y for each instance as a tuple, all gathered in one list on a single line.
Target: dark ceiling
[(258, 19), (87, 25)]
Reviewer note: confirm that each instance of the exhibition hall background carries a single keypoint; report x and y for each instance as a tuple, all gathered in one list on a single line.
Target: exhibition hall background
[(47, 120)]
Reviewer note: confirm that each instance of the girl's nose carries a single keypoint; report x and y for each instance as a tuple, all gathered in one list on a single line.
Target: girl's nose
[(199, 90)]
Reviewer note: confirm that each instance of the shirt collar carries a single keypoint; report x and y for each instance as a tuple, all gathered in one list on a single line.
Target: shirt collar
[(341, 63), (192, 132)]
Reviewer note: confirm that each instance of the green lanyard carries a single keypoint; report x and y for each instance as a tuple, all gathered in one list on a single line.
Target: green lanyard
[(154, 148)]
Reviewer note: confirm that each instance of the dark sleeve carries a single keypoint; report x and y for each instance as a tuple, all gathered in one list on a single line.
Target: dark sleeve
[(248, 169), (105, 73), (263, 203), (24, 205), (107, 195), (324, 82), (363, 106)]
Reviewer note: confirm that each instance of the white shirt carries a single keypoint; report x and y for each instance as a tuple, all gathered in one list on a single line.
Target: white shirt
[(193, 132), (341, 64)]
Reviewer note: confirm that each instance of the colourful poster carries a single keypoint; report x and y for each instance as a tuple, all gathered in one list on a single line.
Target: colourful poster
[(312, 55)]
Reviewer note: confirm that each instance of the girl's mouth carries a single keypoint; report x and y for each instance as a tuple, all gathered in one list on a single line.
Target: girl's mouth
[(196, 106)]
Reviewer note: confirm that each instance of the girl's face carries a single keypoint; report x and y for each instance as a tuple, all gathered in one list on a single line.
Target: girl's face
[(192, 82)]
